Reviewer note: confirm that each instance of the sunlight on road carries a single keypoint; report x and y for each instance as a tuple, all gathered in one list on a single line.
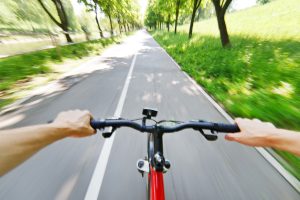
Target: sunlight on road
[(129, 47)]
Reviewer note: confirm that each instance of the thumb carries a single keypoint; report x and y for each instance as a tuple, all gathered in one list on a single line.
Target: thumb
[(231, 136)]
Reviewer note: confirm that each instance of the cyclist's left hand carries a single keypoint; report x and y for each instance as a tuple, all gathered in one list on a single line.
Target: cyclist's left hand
[(75, 122)]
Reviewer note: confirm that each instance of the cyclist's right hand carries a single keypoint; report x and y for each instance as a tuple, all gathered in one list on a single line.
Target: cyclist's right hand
[(253, 132), (76, 123)]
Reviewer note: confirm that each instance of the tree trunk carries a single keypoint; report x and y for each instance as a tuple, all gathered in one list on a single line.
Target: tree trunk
[(124, 25), (63, 18), (192, 19), (99, 28), (120, 25), (168, 22), (97, 21), (223, 30), (177, 14), (111, 26), (128, 28), (63, 24), (68, 37), (220, 12)]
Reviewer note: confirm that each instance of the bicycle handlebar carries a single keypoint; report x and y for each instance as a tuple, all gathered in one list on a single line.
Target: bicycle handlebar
[(197, 125)]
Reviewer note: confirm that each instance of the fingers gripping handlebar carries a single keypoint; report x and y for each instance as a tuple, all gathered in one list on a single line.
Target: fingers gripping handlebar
[(226, 128)]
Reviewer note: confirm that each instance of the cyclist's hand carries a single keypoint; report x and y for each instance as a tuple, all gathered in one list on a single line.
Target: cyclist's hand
[(253, 132), (75, 122)]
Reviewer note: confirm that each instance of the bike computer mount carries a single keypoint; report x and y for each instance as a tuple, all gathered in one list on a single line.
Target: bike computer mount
[(149, 112)]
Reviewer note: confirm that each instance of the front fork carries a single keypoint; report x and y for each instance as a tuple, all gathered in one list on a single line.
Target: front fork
[(155, 186), (154, 165), (144, 166), (155, 159)]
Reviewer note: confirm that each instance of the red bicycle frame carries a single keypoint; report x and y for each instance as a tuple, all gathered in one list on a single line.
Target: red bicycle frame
[(156, 185), (157, 166)]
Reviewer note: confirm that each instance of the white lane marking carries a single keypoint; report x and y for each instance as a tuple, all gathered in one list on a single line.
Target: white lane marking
[(97, 178), (287, 175)]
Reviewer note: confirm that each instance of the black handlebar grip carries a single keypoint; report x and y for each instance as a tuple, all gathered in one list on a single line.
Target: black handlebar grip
[(227, 128), (97, 124), (93, 124)]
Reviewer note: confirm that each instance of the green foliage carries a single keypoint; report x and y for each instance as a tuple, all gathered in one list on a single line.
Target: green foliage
[(24, 16), (160, 11), (164, 11), (258, 76), (18, 67), (73, 21), (124, 11), (276, 24)]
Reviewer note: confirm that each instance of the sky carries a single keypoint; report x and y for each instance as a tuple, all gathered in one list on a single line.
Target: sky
[(77, 7), (143, 6), (241, 4)]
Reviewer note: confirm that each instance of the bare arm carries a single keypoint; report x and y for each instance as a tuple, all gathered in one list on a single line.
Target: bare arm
[(17, 145), (257, 133)]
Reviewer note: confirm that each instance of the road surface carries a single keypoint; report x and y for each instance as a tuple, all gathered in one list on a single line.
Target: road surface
[(126, 78)]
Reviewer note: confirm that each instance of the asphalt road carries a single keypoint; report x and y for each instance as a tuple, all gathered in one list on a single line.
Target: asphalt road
[(200, 169)]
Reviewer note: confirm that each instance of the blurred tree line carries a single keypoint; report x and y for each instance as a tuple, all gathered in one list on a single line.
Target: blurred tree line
[(44, 16), (166, 12)]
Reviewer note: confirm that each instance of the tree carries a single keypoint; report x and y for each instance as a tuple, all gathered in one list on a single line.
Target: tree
[(64, 23), (93, 6), (108, 7), (151, 19), (177, 14), (167, 12), (220, 8), (196, 5), (160, 12), (96, 18), (124, 12), (27, 16)]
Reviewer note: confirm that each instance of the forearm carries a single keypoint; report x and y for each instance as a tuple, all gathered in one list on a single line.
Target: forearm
[(17, 145), (286, 140)]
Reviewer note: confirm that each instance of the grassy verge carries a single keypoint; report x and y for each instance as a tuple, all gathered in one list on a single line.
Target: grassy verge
[(253, 79), (257, 78), (16, 69)]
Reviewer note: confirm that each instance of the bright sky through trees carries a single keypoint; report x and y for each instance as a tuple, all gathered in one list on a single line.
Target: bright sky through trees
[(237, 4), (241, 4)]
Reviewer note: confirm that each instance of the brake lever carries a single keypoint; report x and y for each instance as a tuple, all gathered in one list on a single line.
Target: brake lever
[(209, 137), (107, 132)]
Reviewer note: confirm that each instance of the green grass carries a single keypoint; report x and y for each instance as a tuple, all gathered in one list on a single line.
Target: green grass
[(20, 67), (258, 77), (277, 20)]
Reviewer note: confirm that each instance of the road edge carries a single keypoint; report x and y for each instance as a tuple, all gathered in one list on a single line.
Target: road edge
[(262, 151)]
